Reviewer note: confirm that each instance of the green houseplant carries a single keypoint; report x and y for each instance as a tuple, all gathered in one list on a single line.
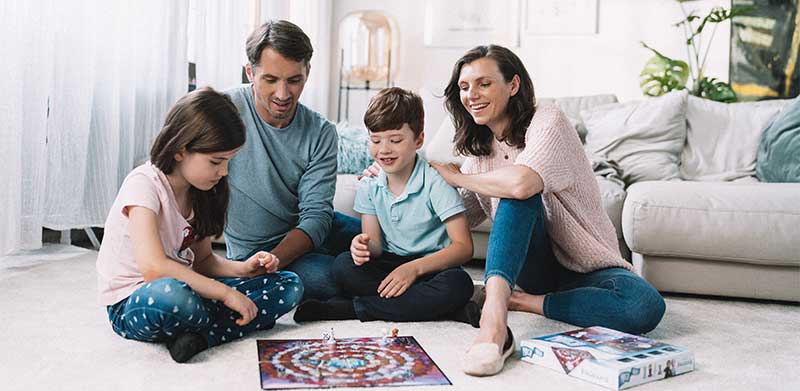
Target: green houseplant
[(662, 74)]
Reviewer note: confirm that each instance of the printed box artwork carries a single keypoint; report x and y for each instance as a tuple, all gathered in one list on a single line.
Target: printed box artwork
[(346, 362), (607, 357)]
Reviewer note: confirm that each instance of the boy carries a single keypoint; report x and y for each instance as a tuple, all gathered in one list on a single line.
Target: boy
[(405, 265)]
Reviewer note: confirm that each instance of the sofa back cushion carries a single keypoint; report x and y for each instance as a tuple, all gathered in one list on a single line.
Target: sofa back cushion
[(644, 137), (573, 105), (440, 146), (779, 151), (722, 138), (353, 155)]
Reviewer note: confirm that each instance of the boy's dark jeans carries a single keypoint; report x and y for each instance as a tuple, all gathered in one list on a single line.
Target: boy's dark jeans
[(431, 297)]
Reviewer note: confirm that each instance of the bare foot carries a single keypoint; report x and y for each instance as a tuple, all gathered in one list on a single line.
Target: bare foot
[(521, 301)]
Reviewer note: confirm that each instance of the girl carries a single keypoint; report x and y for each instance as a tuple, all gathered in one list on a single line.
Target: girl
[(157, 274)]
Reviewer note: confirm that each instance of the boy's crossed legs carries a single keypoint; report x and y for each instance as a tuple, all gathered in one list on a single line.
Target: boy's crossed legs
[(435, 296)]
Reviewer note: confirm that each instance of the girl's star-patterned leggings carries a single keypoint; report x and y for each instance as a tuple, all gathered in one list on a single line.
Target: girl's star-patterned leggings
[(162, 309)]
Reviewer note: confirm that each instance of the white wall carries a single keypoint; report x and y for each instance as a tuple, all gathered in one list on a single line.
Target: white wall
[(608, 62)]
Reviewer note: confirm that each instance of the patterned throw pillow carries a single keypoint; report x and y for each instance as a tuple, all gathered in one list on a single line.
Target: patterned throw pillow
[(353, 156)]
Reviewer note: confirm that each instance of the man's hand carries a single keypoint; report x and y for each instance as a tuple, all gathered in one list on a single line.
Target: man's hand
[(260, 263), (359, 249), (398, 281), (240, 303), (449, 171)]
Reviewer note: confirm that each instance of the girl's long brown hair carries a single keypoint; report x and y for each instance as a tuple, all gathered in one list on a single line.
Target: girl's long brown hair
[(476, 140), (203, 121)]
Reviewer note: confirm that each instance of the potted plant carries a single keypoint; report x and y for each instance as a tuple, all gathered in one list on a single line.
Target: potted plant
[(662, 74)]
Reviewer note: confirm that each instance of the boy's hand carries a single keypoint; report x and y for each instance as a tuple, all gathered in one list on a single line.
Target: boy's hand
[(359, 249), (240, 303), (260, 263), (396, 283)]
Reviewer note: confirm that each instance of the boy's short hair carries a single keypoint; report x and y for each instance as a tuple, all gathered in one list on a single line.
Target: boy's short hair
[(392, 107)]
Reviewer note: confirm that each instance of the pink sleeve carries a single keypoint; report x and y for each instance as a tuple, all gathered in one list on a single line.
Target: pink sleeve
[(139, 190), (548, 149)]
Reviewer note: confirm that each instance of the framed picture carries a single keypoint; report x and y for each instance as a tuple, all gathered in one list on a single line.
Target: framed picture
[(764, 50), (560, 17), (468, 23)]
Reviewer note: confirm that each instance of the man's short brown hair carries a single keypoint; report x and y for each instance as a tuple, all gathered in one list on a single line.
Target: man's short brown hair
[(391, 108)]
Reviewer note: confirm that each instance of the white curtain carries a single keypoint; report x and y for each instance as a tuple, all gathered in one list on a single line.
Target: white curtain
[(86, 85), (85, 90), (314, 17), (217, 34), (25, 78)]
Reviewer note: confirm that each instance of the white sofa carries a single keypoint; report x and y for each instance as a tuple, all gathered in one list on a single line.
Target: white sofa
[(708, 235)]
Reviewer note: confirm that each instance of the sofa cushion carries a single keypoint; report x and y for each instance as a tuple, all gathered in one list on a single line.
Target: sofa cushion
[(353, 154), (573, 105), (722, 138), (643, 137), (727, 221), (440, 148), (779, 150)]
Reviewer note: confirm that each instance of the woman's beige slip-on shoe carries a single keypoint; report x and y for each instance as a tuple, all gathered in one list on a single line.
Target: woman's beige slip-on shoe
[(484, 359)]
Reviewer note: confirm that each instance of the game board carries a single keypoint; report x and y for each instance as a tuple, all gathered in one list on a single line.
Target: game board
[(347, 362)]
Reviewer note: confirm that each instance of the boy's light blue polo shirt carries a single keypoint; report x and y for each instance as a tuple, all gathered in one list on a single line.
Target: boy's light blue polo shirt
[(413, 223)]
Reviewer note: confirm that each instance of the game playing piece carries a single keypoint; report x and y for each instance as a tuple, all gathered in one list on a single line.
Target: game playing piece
[(394, 333), (332, 338)]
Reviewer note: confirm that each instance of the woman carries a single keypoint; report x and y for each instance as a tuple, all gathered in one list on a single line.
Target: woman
[(526, 169)]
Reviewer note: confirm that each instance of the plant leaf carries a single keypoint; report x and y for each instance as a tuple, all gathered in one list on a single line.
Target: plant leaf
[(662, 74), (716, 90)]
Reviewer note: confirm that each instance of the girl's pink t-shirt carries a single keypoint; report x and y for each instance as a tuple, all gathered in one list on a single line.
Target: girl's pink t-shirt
[(118, 273)]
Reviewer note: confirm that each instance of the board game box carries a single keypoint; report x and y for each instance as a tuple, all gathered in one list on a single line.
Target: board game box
[(346, 362), (607, 357)]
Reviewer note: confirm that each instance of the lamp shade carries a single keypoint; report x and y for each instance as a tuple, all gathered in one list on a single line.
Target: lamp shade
[(368, 40)]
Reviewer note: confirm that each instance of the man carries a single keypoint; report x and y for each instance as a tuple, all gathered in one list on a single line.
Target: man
[(283, 179)]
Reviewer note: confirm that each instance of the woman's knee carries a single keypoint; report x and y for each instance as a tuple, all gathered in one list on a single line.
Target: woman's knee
[(644, 307)]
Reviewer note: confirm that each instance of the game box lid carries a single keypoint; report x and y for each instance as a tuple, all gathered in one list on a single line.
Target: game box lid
[(607, 357)]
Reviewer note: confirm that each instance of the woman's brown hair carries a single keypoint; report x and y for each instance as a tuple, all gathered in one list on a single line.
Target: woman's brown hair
[(203, 121), (476, 140)]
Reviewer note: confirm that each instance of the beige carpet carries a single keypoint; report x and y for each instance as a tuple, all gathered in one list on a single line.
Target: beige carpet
[(55, 337)]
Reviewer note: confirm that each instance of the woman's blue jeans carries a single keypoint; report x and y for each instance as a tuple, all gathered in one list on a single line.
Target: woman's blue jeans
[(519, 252), (162, 309)]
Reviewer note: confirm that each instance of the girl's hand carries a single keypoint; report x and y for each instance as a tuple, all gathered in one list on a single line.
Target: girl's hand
[(398, 281), (260, 263), (359, 249), (449, 171), (240, 303), (372, 171)]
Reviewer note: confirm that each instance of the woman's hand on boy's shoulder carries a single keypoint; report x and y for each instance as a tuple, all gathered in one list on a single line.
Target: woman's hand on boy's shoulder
[(449, 171), (260, 263), (371, 172)]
